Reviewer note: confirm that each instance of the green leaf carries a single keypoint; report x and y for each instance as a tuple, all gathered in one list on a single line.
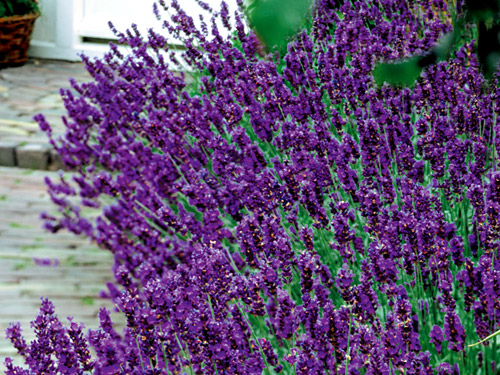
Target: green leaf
[(403, 73), (275, 21), (488, 48), (406, 72), (10, 9), (17, 7), (447, 43), (482, 10)]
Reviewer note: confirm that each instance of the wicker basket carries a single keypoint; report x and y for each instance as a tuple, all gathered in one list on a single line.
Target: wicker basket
[(15, 35)]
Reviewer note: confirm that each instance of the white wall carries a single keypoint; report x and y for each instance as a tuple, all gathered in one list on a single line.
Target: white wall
[(63, 30), (56, 31)]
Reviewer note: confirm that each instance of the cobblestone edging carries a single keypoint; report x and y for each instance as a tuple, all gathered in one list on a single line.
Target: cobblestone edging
[(24, 92), (29, 156)]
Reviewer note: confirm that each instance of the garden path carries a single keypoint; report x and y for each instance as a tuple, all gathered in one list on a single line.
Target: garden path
[(32, 88), (72, 285), (83, 269)]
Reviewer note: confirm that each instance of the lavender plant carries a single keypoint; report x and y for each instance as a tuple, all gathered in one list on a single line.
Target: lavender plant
[(283, 214)]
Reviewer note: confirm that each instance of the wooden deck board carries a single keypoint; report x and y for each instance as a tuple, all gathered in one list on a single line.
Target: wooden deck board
[(72, 285)]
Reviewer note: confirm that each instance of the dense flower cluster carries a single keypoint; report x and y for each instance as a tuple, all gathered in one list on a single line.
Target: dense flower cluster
[(283, 214)]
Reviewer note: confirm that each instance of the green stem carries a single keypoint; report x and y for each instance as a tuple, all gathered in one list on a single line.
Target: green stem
[(348, 344), (140, 354), (243, 314), (485, 339), (165, 358), (211, 308), (215, 367), (184, 353)]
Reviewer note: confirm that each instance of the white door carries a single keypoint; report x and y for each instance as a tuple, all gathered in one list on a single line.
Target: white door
[(70, 27), (97, 13), (123, 13)]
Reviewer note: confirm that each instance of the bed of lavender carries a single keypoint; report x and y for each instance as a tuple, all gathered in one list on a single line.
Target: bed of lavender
[(283, 214)]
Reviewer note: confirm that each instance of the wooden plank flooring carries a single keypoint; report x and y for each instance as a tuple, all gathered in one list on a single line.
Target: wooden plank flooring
[(72, 285)]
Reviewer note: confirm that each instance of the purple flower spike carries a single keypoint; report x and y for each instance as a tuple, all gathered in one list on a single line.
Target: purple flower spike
[(436, 337), (454, 332)]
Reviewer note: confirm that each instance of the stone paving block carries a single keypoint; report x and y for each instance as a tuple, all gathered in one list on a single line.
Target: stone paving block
[(8, 153), (33, 156), (55, 161), (4, 91)]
